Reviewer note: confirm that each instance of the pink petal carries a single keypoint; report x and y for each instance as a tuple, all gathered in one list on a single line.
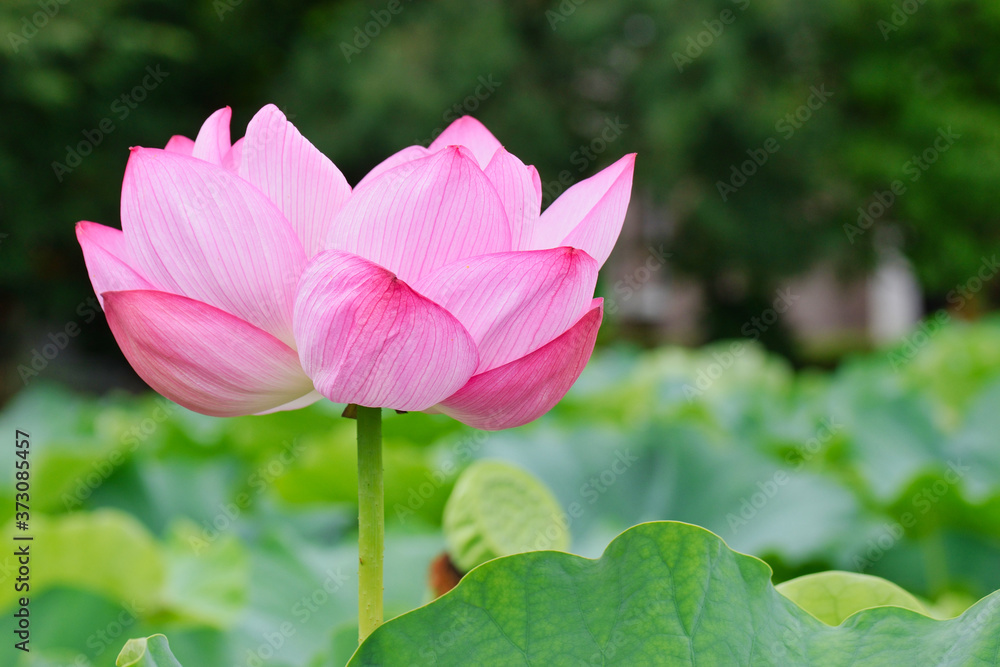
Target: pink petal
[(212, 142), (107, 259), (365, 337), (422, 215), (201, 357), (468, 132), (303, 182), (233, 157), (513, 303), (516, 184), (536, 182), (590, 214), (298, 403), (180, 144), (408, 154), (196, 229), (524, 390)]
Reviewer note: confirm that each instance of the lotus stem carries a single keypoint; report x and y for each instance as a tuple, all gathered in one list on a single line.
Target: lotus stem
[(371, 520)]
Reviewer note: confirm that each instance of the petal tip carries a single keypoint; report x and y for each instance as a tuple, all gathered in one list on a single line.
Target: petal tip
[(109, 297), (84, 229), (469, 121)]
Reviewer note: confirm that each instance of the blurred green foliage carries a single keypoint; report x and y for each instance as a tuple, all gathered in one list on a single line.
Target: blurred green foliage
[(693, 86), (222, 532)]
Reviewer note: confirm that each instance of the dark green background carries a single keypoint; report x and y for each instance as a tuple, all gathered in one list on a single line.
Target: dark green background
[(563, 70)]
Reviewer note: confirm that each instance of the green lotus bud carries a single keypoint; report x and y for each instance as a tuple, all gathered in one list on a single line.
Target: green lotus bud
[(497, 509)]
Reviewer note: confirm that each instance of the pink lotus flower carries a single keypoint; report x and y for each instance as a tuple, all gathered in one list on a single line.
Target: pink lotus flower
[(247, 277)]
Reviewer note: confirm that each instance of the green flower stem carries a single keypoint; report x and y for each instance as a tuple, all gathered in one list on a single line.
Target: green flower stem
[(371, 520)]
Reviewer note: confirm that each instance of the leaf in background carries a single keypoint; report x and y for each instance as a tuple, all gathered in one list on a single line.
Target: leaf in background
[(207, 575), (608, 479), (975, 444), (892, 442), (956, 366), (324, 472), (497, 509), (834, 596), (148, 652), (662, 593), (106, 551)]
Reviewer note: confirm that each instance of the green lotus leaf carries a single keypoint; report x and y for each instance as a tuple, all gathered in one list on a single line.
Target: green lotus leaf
[(834, 596), (663, 593), (147, 652), (498, 509)]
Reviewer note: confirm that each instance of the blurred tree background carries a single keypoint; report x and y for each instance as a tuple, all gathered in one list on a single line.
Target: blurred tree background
[(850, 93)]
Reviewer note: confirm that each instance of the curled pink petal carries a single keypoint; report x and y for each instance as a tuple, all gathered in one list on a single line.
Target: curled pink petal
[(365, 337), (107, 259), (523, 390), (513, 303), (408, 154), (201, 357), (520, 192), (590, 214), (180, 144), (212, 142), (303, 182), (468, 132), (195, 229), (422, 215)]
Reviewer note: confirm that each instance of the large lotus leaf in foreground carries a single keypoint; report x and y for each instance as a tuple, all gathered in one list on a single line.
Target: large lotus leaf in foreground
[(663, 593)]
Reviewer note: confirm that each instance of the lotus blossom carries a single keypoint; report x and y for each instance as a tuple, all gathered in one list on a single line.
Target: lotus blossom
[(248, 277)]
